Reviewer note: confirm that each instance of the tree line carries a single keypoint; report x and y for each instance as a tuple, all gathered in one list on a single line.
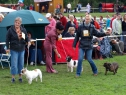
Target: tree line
[(93, 3)]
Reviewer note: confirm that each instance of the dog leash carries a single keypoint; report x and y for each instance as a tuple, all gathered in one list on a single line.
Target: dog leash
[(27, 57), (63, 48)]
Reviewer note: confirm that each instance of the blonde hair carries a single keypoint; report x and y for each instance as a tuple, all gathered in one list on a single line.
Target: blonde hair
[(89, 16), (71, 29), (18, 19), (71, 16), (124, 17)]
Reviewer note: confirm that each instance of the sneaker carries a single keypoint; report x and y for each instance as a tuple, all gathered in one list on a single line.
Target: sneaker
[(20, 80), (31, 63), (13, 80), (77, 76), (43, 63), (95, 74)]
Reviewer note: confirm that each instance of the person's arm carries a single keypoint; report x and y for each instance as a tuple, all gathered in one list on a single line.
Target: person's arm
[(26, 36), (67, 26), (8, 37), (99, 34), (77, 37), (53, 42)]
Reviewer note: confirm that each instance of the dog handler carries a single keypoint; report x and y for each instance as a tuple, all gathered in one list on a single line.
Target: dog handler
[(16, 40), (86, 32), (50, 44)]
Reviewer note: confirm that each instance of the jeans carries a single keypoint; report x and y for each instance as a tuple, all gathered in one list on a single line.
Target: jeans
[(32, 55), (17, 62), (100, 9), (89, 58)]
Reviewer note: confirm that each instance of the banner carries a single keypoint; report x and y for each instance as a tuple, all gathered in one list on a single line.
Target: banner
[(41, 0), (65, 48)]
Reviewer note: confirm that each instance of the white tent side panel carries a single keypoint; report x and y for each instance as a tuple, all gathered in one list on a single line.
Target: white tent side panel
[(4, 9)]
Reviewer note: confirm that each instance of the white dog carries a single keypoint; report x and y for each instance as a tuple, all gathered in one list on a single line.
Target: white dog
[(30, 75), (71, 63)]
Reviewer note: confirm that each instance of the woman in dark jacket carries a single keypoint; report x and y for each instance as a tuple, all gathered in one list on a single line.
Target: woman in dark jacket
[(85, 35), (16, 40), (69, 24)]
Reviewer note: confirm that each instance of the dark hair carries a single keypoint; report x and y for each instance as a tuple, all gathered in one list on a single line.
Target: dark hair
[(59, 26), (28, 32), (118, 14)]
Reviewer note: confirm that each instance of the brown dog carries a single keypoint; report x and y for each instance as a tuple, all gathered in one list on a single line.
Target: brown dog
[(112, 67)]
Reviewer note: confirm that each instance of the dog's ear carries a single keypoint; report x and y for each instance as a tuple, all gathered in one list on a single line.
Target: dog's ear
[(104, 64)]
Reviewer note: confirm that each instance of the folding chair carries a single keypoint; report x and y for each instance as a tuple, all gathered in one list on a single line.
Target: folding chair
[(5, 58)]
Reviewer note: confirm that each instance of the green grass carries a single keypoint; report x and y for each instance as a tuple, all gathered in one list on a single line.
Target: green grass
[(65, 83), (93, 14)]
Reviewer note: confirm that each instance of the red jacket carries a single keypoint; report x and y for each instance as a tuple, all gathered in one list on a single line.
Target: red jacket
[(76, 23), (63, 20), (97, 26), (111, 22)]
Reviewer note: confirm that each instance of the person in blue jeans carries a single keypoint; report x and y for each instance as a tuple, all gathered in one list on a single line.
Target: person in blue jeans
[(32, 52), (16, 40), (84, 35)]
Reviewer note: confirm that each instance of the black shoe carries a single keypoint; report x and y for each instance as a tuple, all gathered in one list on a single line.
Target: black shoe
[(13, 80), (20, 80)]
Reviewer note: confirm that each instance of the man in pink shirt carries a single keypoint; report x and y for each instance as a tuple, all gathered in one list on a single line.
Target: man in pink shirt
[(51, 25)]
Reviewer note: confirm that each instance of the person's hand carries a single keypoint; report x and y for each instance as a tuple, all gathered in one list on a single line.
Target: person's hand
[(29, 44), (58, 55), (7, 51), (32, 43)]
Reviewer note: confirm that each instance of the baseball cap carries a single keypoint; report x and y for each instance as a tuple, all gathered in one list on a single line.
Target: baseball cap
[(109, 28), (48, 15)]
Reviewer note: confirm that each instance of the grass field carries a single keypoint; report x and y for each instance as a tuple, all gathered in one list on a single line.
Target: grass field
[(65, 83), (93, 14)]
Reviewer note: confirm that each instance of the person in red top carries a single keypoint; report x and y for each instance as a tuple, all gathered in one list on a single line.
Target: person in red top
[(31, 7), (97, 26), (63, 19), (114, 16), (75, 22)]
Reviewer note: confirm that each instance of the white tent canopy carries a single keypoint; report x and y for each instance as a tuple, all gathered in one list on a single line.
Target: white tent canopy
[(4, 9), (41, 0)]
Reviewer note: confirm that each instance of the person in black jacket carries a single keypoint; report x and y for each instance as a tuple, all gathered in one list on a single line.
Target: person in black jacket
[(85, 35), (69, 24), (16, 40)]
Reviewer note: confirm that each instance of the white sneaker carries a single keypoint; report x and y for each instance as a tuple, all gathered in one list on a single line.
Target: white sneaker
[(31, 63), (42, 63)]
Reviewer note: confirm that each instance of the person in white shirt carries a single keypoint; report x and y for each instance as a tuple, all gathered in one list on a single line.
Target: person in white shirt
[(68, 7), (88, 8)]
